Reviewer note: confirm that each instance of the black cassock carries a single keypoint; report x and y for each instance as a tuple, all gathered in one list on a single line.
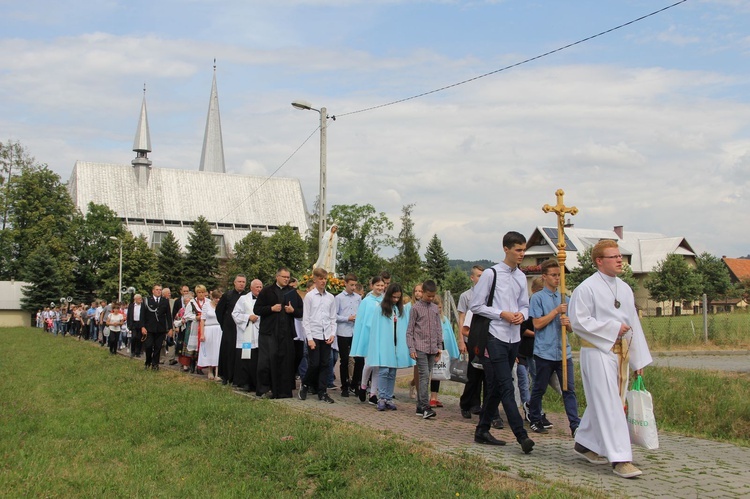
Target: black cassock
[(275, 341), (228, 334)]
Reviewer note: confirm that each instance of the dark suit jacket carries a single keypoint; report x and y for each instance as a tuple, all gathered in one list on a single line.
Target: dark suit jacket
[(157, 318), (134, 325)]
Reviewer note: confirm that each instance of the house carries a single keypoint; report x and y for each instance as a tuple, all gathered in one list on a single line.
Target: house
[(11, 314), (642, 251), (739, 268)]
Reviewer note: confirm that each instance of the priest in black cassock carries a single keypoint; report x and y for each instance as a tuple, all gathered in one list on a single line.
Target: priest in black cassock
[(229, 329), (277, 305)]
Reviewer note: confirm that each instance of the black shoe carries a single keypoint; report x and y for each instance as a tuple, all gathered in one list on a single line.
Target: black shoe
[(498, 424), (345, 392), (302, 392), (224, 381), (428, 414), (325, 398), (466, 414), (362, 394), (373, 400), (545, 421), (476, 409), (485, 438), (538, 427), (526, 444), (172, 362), (155, 368)]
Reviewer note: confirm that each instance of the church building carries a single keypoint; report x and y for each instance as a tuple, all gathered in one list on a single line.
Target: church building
[(152, 201)]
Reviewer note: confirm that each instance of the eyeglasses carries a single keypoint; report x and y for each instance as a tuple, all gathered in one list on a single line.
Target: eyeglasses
[(616, 257)]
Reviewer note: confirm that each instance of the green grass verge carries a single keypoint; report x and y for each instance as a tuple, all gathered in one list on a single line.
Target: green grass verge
[(79, 422)]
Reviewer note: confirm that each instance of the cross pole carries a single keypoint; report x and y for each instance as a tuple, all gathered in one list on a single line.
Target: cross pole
[(560, 210)]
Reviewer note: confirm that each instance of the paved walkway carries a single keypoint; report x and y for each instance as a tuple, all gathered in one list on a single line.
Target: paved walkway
[(733, 361)]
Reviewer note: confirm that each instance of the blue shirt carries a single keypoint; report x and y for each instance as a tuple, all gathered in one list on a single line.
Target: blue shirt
[(547, 340), (510, 295), (346, 305)]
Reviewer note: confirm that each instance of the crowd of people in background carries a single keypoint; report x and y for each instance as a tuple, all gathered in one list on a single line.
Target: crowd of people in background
[(273, 340)]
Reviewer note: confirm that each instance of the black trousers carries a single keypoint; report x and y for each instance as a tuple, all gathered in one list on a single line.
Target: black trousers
[(345, 346), (359, 366), (152, 346), (471, 397), (246, 370), (318, 366), (275, 365), (114, 340), (136, 345)]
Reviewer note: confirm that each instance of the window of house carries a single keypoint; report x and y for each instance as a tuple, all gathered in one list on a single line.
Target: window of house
[(222, 250)]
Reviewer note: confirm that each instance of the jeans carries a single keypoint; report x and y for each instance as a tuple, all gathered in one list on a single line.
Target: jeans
[(498, 375), (386, 382), (332, 367), (544, 370), (523, 382), (425, 361)]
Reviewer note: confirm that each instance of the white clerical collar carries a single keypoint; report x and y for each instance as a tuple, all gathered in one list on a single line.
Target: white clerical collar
[(607, 278)]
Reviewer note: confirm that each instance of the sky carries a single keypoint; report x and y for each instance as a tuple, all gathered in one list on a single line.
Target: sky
[(647, 127)]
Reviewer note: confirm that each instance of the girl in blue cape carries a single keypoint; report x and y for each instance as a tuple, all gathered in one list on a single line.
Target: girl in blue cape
[(369, 306)]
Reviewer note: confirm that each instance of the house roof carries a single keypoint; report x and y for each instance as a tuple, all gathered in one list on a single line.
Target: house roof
[(173, 199), (739, 268), (644, 249)]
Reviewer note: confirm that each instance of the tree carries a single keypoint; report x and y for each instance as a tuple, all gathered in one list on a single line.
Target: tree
[(406, 266), (171, 262), (436, 261), (46, 283), (252, 258), (457, 281), (586, 268), (13, 158), (362, 234), (201, 263), (673, 279), (91, 246), (714, 275), (287, 249), (139, 267)]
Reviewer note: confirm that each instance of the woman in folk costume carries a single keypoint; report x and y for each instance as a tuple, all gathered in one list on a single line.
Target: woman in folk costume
[(210, 337), (328, 247), (387, 348), (191, 320), (450, 345), (361, 338)]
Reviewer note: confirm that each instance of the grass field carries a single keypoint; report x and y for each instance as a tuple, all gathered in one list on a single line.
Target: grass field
[(79, 422)]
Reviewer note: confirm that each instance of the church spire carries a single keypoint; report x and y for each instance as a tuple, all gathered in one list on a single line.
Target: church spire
[(142, 142), (212, 156)]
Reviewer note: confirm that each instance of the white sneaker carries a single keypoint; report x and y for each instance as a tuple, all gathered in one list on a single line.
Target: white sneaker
[(626, 470)]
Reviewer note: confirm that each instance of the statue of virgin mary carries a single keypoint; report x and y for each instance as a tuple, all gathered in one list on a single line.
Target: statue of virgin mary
[(328, 245)]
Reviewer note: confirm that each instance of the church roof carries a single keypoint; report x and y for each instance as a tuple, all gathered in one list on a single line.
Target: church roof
[(173, 199), (644, 250), (142, 142), (212, 155)]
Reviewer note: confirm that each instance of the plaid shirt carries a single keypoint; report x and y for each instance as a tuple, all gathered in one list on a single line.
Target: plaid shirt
[(425, 331)]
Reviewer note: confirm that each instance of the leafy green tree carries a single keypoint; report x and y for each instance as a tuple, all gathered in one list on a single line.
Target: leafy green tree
[(714, 275), (287, 249), (201, 262), (171, 262), (362, 234), (13, 159), (457, 281), (674, 280), (46, 282), (586, 268), (252, 258), (139, 267), (436, 261), (91, 246), (406, 265)]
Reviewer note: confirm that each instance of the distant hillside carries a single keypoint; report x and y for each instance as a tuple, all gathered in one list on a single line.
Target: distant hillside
[(467, 265)]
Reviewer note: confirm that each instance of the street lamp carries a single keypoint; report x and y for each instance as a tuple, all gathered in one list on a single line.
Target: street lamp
[(119, 282), (305, 106)]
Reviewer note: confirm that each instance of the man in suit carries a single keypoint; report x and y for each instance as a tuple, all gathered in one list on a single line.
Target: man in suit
[(157, 324), (135, 322), (229, 329)]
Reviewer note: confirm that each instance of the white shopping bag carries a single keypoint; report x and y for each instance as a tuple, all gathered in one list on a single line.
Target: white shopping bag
[(641, 420)]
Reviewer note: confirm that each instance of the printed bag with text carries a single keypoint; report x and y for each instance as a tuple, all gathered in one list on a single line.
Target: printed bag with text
[(441, 370), (641, 420), (460, 369)]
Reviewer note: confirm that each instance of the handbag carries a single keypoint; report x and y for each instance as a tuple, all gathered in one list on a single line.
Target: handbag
[(479, 329), (460, 369), (641, 420), (441, 369)]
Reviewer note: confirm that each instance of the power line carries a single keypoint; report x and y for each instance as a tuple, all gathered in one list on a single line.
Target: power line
[(526, 61)]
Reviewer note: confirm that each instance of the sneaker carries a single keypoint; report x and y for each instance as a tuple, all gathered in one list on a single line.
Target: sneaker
[(573, 432), (302, 392), (527, 445), (526, 411), (626, 470), (538, 427), (589, 455), (362, 394), (345, 392), (325, 398), (428, 414), (381, 405), (420, 412), (390, 405), (545, 422), (373, 400)]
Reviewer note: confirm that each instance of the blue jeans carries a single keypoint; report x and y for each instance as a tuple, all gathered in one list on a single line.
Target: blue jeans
[(498, 376), (523, 382), (332, 367), (386, 382), (544, 370), (93, 331)]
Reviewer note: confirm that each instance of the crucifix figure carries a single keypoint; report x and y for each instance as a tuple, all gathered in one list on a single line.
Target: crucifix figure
[(560, 210)]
